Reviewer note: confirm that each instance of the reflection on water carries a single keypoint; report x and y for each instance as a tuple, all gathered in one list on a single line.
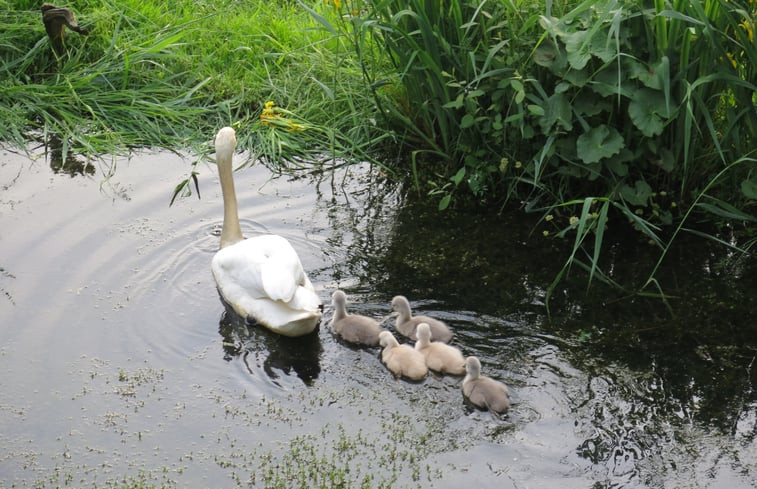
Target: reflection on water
[(276, 355), (62, 160), (650, 375), (127, 354)]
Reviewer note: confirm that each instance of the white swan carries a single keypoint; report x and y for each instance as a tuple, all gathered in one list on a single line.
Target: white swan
[(353, 328), (402, 360), (407, 323), (261, 277), (439, 357), (484, 392)]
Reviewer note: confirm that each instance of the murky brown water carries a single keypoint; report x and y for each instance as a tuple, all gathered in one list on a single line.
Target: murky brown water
[(120, 366)]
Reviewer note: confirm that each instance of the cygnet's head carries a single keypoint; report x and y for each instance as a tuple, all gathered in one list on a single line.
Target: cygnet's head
[(400, 303), (472, 367), (424, 333), (338, 299), (226, 142), (387, 339)]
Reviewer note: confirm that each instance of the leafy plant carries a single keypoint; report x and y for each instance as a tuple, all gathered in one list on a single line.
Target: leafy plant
[(604, 106)]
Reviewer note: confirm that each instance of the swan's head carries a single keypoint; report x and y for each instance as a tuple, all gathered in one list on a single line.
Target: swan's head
[(387, 339), (424, 334), (338, 299), (472, 367), (226, 143), (400, 304)]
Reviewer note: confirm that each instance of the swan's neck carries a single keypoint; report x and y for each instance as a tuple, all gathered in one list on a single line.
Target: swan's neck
[(340, 312), (231, 232)]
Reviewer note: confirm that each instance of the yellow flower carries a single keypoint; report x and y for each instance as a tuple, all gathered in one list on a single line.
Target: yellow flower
[(545, 233), (269, 115), (518, 164), (294, 127), (549, 217), (732, 60), (573, 220), (749, 28)]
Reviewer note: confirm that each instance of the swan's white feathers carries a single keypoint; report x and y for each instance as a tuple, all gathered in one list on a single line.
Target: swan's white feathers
[(261, 277)]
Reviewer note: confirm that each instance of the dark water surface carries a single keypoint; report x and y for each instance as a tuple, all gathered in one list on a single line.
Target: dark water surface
[(120, 367)]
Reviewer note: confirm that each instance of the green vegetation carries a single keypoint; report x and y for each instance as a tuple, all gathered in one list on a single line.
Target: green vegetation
[(586, 112), (614, 112), (169, 74)]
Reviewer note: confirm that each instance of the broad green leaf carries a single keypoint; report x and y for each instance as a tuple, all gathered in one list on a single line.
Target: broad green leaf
[(467, 121), (653, 76), (637, 195), (556, 112), (749, 188), (551, 56), (578, 78), (608, 83), (534, 109), (667, 160), (577, 47), (646, 110), (602, 49), (455, 104), (619, 168), (459, 176), (587, 105), (599, 142)]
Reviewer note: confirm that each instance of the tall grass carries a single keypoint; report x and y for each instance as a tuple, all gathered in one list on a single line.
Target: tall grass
[(169, 74), (635, 114), (592, 114)]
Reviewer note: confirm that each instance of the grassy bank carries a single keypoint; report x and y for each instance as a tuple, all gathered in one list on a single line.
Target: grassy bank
[(594, 115), (169, 74)]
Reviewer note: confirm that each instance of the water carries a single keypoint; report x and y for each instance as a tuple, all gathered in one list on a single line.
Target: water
[(121, 366)]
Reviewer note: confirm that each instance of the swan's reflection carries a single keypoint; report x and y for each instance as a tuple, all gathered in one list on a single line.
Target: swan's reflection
[(274, 353), (65, 163)]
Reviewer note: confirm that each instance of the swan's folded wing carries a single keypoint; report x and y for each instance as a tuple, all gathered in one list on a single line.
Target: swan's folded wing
[(305, 299), (278, 281), (235, 270)]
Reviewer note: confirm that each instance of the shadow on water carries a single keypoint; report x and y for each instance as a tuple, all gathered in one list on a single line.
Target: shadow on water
[(655, 376), (63, 161), (275, 355)]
